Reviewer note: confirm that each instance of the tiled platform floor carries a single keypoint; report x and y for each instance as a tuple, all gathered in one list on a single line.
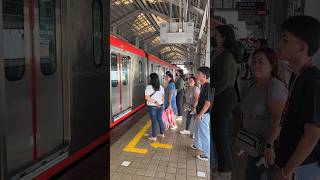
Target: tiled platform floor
[(178, 163)]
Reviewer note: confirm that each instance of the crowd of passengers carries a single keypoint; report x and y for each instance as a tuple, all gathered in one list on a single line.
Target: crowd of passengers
[(267, 111)]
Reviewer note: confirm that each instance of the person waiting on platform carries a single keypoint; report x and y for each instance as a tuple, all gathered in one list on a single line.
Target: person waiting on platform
[(192, 96), (298, 154), (170, 96), (202, 117), (180, 93), (262, 107), (154, 95)]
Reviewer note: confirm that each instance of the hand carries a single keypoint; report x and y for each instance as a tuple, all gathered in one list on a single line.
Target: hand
[(157, 104), (194, 110), (197, 117), (269, 156), (281, 176)]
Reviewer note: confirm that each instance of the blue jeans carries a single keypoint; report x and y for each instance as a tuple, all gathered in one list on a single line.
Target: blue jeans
[(255, 173), (308, 172), (202, 134), (189, 120), (155, 114)]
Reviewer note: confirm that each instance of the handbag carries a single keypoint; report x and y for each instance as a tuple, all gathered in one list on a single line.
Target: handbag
[(251, 143)]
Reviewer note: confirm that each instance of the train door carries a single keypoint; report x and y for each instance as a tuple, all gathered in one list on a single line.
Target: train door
[(49, 77), (115, 86), (33, 87), (125, 83), (18, 104)]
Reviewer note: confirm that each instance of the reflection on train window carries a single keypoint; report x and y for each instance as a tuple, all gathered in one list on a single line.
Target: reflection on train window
[(97, 32), (47, 25), (114, 70), (151, 67), (140, 72), (125, 62), (13, 35)]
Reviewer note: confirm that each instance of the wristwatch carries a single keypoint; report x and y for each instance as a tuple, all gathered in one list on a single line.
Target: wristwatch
[(268, 146)]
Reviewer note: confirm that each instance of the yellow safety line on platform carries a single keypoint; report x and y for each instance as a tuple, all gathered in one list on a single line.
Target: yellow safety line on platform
[(131, 147)]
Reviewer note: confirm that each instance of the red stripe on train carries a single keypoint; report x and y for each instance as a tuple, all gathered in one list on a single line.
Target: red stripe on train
[(126, 116)]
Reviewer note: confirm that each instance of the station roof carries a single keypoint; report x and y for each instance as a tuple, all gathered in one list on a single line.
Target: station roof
[(141, 19)]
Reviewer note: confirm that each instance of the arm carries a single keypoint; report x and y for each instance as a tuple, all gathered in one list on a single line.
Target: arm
[(196, 98), (306, 145), (171, 92), (275, 107), (149, 99), (205, 108)]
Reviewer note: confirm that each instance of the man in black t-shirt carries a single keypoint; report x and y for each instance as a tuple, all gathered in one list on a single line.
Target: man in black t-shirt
[(202, 118), (298, 153)]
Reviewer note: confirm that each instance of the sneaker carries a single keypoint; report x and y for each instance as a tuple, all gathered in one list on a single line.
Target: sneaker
[(174, 127), (185, 132), (152, 138), (203, 157), (193, 147), (161, 135)]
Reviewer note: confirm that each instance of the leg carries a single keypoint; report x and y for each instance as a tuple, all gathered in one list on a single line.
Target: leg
[(189, 120), (196, 133), (179, 99), (204, 134), (252, 171), (153, 116), (222, 107), (159, 119)]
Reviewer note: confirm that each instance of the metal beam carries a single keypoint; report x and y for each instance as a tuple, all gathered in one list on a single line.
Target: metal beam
[(126, 18), (192, 8)]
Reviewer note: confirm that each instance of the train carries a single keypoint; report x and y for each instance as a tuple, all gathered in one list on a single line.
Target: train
[(129, 72), (53, 85), (61, 89)]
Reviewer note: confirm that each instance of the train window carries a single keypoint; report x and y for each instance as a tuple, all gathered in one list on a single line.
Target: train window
[(152, 68), (114, 70), (125, 62), (13, 36), (140, 72), (47, 33), (97, 32)]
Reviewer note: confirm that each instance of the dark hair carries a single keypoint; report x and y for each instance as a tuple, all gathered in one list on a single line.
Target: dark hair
[(230, 43), (263, 43), (306, 28), (168, 72), (170, 76), (180, 71), (154, 81), (194, 79), (273, 60), (205, 70)]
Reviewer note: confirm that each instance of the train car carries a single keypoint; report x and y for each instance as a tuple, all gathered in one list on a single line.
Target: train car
[(130, 68), (53, 88)]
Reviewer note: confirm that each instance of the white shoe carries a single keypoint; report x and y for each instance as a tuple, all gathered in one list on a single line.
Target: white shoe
[(152, 138), (193, 136), (203, 157), (193, 147), (174, 127), (178, 118), (184, 132), (161, 135)]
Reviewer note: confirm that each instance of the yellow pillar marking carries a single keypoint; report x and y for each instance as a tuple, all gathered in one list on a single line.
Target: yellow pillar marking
[(131, 147), (160, 145)]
